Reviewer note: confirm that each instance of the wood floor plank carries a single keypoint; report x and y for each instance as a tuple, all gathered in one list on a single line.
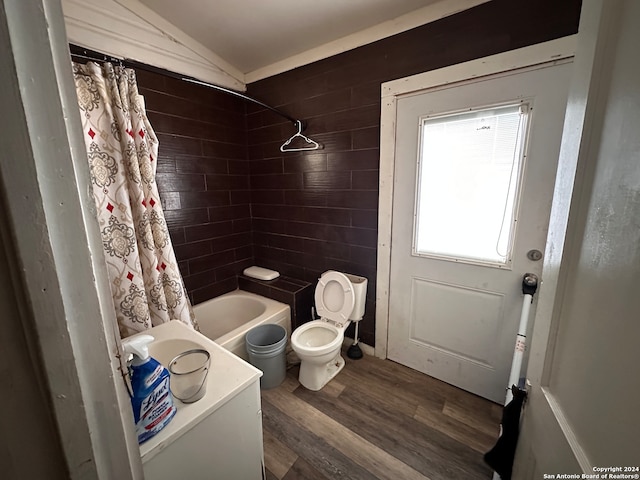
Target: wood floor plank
[(475, 439), (290, 382), (496, 412), (314, 449), (302, 470), (472, 418), (380, 463), (269, 475), (334, 388), (424, 449), (415, 385), (429, 392), (278, 458), (402, 377), (377, 419), (380, 391), (472, 403)]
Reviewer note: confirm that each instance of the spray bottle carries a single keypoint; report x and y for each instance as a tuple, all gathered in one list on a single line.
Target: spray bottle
[(152, 402)]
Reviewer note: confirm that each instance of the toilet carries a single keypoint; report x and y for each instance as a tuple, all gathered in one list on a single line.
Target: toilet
[(340, 299)]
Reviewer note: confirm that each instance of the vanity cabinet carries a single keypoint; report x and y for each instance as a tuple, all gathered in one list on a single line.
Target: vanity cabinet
[(220, 435)]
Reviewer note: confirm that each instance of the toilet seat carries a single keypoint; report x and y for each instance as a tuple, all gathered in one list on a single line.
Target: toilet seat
[(334, 297), (316, 338)]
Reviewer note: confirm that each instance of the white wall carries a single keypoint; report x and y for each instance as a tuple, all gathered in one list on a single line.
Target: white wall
[(595, 363), (582, 411)]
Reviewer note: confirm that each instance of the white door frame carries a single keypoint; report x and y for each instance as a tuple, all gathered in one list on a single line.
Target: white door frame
[(516, 59)]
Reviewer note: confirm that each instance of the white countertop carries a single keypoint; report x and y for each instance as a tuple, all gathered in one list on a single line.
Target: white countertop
[(227, 376)]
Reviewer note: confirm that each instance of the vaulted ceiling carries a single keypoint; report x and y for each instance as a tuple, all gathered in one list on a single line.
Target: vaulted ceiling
[(235, 42), (251, 34)]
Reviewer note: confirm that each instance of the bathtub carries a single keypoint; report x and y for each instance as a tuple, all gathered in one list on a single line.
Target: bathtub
[(227, 319)]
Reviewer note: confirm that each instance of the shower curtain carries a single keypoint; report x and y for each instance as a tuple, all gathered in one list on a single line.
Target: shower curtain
[(122, 151)]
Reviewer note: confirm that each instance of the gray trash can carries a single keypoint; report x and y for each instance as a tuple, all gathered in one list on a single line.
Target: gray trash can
[(266, 348)]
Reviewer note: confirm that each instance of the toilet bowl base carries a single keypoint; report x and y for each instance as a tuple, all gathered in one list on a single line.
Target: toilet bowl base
[(314, 377)]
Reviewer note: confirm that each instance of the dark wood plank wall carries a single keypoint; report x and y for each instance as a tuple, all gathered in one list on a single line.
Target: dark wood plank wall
[(318, 210), (203, 178), (232, 199)]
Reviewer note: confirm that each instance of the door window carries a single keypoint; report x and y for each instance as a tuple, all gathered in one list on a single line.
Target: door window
[(469, 169)]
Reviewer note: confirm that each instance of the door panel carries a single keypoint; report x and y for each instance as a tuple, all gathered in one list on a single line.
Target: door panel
[(451, 317), (437, 316)]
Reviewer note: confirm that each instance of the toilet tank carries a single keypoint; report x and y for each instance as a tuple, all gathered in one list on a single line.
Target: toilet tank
[(360, 296)]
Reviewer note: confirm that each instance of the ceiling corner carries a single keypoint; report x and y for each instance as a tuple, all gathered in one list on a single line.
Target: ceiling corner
[(416, 18), (180, 37)]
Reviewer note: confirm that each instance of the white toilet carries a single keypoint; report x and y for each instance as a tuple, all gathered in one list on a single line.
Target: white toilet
[(340, 298)]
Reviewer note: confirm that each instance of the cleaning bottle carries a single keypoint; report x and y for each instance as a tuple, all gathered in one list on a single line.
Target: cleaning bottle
[(152, 402)]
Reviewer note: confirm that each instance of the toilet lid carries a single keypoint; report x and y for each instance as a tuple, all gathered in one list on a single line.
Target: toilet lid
[(334, 296)]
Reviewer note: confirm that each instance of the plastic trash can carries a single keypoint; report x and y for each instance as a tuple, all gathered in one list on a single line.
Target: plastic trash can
[(266, 348)]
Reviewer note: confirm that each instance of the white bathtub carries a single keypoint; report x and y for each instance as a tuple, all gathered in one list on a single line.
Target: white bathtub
[(227, 319)]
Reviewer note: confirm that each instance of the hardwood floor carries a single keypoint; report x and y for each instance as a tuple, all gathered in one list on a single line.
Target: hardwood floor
[(377, 420)]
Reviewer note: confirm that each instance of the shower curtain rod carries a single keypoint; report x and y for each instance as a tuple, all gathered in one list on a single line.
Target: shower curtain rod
[(92, 55)]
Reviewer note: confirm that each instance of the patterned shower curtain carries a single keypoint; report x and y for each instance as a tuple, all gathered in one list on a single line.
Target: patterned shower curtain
[(122, 150)]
